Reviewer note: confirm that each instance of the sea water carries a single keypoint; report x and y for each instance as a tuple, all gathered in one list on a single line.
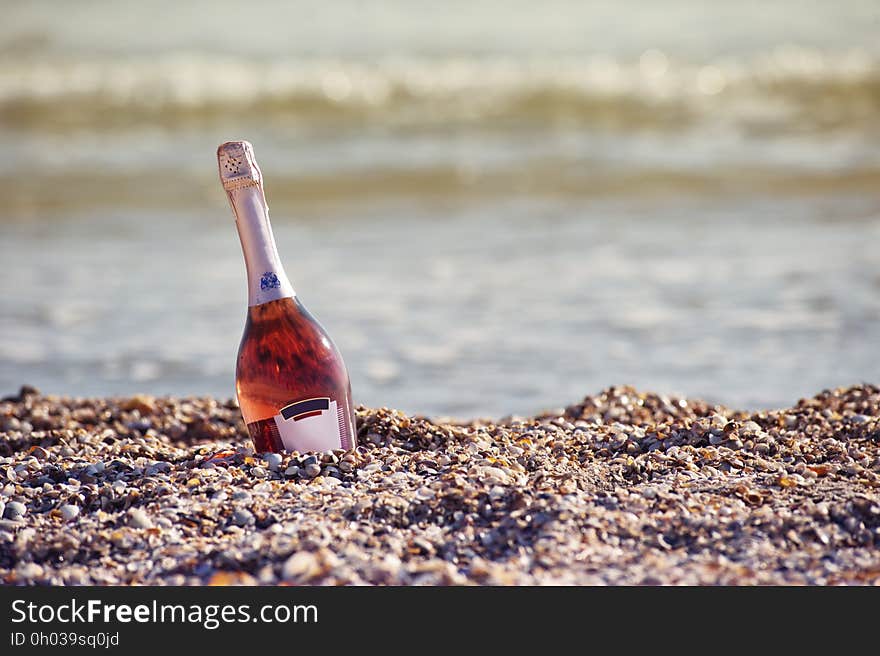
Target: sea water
[(493, 207)]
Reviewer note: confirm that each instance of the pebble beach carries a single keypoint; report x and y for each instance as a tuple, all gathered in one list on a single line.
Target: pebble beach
[(624, 487)]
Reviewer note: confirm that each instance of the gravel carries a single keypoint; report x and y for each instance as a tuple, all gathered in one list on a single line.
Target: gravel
[(624, 487), (68, 512), (242, 517), (15, 510), (273, 460), (139, 519)]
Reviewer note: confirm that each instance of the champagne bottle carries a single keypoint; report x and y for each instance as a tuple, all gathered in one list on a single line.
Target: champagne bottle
[(290, 380)]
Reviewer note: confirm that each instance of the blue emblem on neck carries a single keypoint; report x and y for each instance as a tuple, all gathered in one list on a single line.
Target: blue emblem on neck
[(269, 281)]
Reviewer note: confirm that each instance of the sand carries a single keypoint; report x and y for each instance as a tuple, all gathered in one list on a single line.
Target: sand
[(624, 487)]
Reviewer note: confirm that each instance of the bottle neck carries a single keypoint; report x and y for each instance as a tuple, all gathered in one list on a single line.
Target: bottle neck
[(267, 280)]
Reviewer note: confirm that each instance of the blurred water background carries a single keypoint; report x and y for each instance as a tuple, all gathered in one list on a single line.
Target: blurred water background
[(493, 207)]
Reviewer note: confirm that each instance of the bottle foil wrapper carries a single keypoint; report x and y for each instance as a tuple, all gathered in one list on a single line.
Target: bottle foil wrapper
[(238, 166)]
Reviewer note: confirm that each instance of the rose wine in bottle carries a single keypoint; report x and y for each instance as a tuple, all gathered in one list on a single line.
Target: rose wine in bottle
[(291, 383)]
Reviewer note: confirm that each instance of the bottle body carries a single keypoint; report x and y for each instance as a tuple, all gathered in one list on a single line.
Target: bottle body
[(291, 382)]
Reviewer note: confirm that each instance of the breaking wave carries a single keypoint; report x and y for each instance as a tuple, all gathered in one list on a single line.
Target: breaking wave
[(785, 89)]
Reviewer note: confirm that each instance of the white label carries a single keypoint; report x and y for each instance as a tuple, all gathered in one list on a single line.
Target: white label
[(310, 425)]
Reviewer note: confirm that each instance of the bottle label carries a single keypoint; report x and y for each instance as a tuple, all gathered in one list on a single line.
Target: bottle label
[(317, 424)]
